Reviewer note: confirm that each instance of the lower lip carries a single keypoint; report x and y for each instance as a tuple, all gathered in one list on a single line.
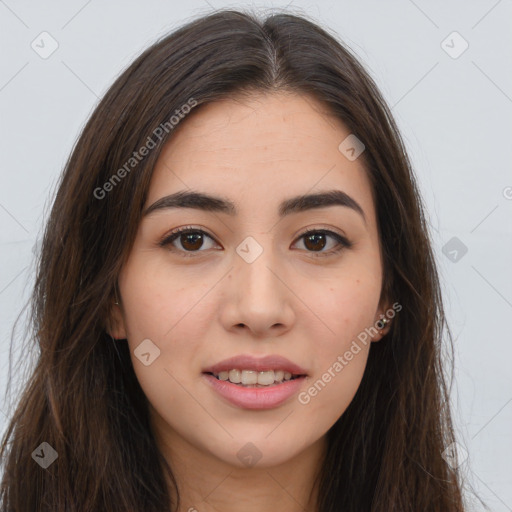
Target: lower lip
[(255, 398)]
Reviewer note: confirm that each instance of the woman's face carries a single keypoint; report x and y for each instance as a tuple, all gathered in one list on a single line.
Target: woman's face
[(245, 281)]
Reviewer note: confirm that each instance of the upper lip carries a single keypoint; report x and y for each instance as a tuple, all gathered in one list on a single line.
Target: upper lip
[(260, 364)]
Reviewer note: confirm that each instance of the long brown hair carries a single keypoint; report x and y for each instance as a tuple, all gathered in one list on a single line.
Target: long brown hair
[(83, 398)]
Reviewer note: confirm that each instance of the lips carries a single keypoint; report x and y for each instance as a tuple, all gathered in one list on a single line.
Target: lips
[(255, 398), (260, 364)]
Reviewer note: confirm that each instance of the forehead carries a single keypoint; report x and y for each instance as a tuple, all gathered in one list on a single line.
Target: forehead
[(257, 148)]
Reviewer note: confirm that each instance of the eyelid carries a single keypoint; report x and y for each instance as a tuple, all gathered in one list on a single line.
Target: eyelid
[(342, 241), (172, 235), (324, 229)]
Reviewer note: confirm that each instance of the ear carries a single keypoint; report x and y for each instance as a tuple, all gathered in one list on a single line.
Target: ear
[(115, 325), (382, 321)]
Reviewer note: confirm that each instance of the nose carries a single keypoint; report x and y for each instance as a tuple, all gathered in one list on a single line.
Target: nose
[(258, 297)]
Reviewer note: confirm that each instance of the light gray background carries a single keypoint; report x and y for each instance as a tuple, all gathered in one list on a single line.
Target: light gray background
[(455, 115)]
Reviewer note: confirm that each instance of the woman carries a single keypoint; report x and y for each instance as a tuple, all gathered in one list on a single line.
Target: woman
[(237, 304)]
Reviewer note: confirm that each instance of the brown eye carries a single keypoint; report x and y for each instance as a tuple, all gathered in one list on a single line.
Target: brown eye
[(186, 239), (191, 241), (315, 241)]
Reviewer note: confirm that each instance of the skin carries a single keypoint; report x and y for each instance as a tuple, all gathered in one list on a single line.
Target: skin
[(201, 309)]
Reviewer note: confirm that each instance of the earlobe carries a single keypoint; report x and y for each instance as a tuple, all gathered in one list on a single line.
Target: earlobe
[(382, 326)]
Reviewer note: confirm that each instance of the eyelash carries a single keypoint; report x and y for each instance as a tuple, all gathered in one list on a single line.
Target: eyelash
[(343, 243)]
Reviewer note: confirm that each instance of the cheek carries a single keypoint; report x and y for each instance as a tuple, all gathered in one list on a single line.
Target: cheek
[(346, 311), (332, 389), (173, 317), (344, 306), (159, 303), (173, 314)]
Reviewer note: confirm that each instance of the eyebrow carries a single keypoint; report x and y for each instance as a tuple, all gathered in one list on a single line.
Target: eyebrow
[(205, 202)]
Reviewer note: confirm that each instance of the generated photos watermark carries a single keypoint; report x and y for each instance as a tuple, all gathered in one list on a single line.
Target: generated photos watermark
[(343, 360), (144, 150)]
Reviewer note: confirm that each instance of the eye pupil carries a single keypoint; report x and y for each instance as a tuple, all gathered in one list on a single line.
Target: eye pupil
[(315, 238), (191, 241), (192, 238)]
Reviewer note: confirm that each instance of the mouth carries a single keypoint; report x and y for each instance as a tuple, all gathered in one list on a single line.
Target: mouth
[(255, 379), (254, 390)]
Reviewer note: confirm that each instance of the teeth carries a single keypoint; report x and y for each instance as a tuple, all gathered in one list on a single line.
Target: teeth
[(264, 378), (252, 377), (235, 376), (249, 377)]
